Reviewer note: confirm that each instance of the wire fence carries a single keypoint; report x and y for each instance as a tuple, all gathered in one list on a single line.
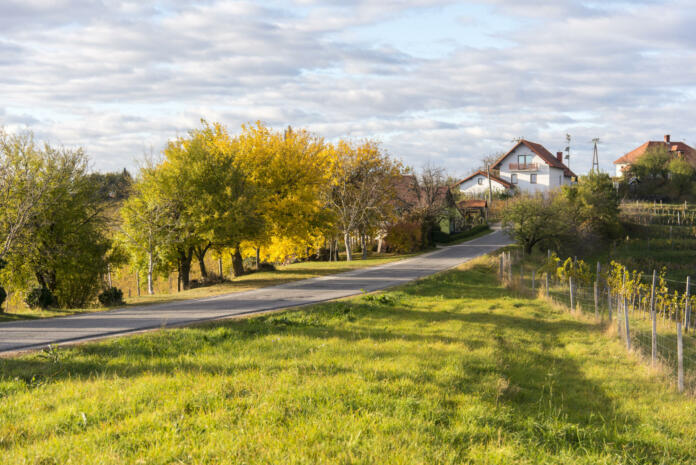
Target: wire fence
[(665, 339)]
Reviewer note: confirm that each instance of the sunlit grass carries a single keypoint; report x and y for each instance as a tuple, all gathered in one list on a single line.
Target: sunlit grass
[(451, 369)]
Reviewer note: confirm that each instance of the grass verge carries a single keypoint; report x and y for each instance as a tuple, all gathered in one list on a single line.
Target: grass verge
[(451, 369), (283, 274)]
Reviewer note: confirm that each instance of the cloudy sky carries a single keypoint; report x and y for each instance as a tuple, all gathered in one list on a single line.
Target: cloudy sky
[(436, 81)]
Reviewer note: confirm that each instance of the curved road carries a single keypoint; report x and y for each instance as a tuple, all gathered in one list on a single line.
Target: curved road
[(37, 334)]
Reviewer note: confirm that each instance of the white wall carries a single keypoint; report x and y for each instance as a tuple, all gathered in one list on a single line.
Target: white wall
[(547, 176), (619, 169), (472, 187)]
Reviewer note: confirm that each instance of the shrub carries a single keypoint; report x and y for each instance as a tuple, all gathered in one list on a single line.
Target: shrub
[(40, 297), (3, 296), (404, 237), (111, 296)]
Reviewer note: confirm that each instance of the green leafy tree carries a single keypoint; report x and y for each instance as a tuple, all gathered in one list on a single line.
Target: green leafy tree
[(531, 220)]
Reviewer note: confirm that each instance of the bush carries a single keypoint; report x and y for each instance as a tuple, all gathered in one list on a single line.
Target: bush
[(111, 296), (40, 297), (404, 237), (3, 296)]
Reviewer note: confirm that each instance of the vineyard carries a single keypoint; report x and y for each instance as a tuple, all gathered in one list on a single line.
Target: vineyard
[(650, 312)]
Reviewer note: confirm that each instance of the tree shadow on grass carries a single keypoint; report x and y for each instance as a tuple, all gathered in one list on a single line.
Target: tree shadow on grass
[(544, 398)]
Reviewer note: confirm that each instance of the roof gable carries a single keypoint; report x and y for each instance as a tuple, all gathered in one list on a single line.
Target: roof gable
[(494, 178), (540, 151), (631, 157)]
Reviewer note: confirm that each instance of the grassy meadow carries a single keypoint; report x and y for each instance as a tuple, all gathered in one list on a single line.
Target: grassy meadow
[(448, 370)]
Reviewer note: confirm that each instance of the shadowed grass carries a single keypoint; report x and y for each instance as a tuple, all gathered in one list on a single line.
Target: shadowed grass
[(451, 369)]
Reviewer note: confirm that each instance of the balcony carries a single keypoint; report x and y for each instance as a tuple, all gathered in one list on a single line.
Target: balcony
[(524, 167)]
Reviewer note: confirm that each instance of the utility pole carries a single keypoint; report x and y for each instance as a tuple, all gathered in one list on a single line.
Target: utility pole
[(490, 189), (595, 157), (567, 150)]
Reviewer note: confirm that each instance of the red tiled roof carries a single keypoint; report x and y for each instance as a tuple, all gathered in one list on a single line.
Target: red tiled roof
[(495, 178), (541, 151), (631, 157)]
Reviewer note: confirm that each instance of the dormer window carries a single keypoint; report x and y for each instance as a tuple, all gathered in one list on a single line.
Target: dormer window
[(480, 181)]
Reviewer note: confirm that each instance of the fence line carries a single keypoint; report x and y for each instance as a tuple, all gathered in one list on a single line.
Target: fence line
[(663, 337)]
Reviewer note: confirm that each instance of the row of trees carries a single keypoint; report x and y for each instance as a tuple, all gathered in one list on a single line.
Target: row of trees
[(263, 193), (215, 192)]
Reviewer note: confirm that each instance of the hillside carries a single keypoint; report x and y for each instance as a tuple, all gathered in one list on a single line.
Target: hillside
[(451, 369)]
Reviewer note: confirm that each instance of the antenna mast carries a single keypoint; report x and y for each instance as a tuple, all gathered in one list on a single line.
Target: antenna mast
[(567, 150), (595, 156)]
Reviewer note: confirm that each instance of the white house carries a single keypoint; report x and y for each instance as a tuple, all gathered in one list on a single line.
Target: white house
[(531, 168), (476, 185)]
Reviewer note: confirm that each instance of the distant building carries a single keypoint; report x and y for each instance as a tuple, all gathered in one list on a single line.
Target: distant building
[(476, 185), (678, 149), (530, 168)]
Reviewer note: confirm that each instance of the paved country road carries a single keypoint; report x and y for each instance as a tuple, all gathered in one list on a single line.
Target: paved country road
[(36, 334)]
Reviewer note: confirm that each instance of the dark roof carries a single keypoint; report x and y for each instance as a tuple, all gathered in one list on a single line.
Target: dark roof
[(485, 175), (472, 204), (541, 151), (688, 152)]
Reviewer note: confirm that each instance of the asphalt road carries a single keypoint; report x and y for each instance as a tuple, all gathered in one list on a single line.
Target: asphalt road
[(36, 334)]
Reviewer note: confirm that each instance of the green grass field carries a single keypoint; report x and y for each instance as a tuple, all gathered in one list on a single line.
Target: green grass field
[(451, 369)]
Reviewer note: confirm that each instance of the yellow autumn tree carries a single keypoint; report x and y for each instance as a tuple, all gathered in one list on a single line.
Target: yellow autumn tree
[(361, 191), (289, 169)]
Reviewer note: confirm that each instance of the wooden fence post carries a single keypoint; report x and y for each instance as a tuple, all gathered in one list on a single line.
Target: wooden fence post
[(533, 278), (687, 305), (570, 285), (653, 319), (628, 330), (137, 282), (609, 302), (680, 357), (509, 268), (500, 268), (596, 299)]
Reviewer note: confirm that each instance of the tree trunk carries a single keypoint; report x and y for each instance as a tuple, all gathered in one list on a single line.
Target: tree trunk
[(363, 245), (379, 244), (331, 250), (349, 252), (150, 267), (258, 258), (220, 266), (200, 255), (335, 250), (237, 263), (185, 258)]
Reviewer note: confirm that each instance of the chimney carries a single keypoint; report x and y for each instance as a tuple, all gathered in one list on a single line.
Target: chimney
[(667, 138), (559, 156)]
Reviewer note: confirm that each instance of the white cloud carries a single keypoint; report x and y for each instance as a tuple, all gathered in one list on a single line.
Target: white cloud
[(120, 78)]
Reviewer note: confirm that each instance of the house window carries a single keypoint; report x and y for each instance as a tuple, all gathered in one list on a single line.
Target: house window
[(525, 159), (480, 181), (513, 178), (532, 178)]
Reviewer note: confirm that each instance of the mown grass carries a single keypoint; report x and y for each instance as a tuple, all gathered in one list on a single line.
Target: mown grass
[(451, 369), (283, 274)]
